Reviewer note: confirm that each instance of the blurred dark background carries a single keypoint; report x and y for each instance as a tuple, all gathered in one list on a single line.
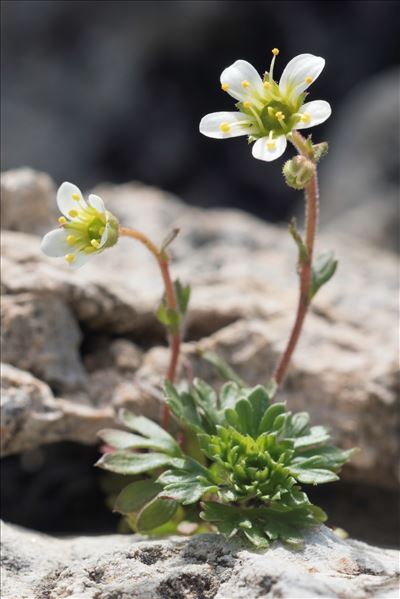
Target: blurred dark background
[(113, 90)]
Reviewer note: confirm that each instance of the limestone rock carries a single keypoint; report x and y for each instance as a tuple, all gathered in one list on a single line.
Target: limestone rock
[(40, 334), (201, 567), (32, 416), (27, 201)]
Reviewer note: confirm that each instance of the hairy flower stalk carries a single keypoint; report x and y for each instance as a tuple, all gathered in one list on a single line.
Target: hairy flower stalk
[(305, 264), (174, 337)]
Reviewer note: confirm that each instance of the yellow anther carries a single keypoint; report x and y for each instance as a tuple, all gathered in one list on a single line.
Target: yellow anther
[(271, 111), (247, 104), (275, 51), (245, 83), (70, 258), (71, 239), (308, 79), (280, 116), (266, 84), (76, 196), (62, 220), (73, 213), (271, 145), (225, 87), (89, 249), (306, 118), (225, 127), (95, 244)]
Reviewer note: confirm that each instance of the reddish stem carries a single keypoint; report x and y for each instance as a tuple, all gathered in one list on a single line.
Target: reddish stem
[(170, 296), (305, 267)]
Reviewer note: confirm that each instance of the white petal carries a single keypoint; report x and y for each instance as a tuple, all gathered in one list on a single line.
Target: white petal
[(318, 111), (66, 202), (237, 123), (105, 235), (55, 244), (239, 73), (263, 150), (80, 259), (295, 77), (97, 203)]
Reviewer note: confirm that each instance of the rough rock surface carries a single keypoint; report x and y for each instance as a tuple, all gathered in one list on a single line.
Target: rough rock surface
[(244, 295), (25, 187), (31, 415), (36, 566)]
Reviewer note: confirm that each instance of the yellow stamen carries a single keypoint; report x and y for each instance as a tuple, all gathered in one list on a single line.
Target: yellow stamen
[(225, 87), (266, 84), (225, 127), (271, 145), (76, 196), (280, 116), (308, 79), (271, 111), (247, 104), (245, 83), (275, 51), (62, 220), (306, 118), (89, 249), (101, 230), (70, 258), (71, 239), (95, 244), (73, 213)]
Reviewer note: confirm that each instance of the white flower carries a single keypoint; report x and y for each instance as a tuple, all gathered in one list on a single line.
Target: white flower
[(268, 111), (86, 229)]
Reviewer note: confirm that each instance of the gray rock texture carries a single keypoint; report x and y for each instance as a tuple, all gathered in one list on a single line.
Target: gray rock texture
[(244, 295), (36, 566)]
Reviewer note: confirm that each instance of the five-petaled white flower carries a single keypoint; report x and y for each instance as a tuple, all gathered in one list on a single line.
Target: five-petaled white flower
[(86, 229), (268, 111)]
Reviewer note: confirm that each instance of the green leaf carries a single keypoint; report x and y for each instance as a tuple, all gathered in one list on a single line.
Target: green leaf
[(187, 485), (229, 394), (328, 456), (183, 406), (267, 421), (182, 296), (307, 473), (323, 269), (148, 428), (134, 496), (302, 249), (169, 318), (222, 367), (318, 435), (155, 513), (119, 439), (297, 425), (127, 462)]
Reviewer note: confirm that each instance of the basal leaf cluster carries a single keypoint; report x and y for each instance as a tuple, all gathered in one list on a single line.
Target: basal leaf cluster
[(243, 462)]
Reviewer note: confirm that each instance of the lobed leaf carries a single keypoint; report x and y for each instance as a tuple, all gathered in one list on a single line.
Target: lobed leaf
[(127, 462)]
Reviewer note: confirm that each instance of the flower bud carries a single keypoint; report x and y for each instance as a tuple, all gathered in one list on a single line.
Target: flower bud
[(298, 172)]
